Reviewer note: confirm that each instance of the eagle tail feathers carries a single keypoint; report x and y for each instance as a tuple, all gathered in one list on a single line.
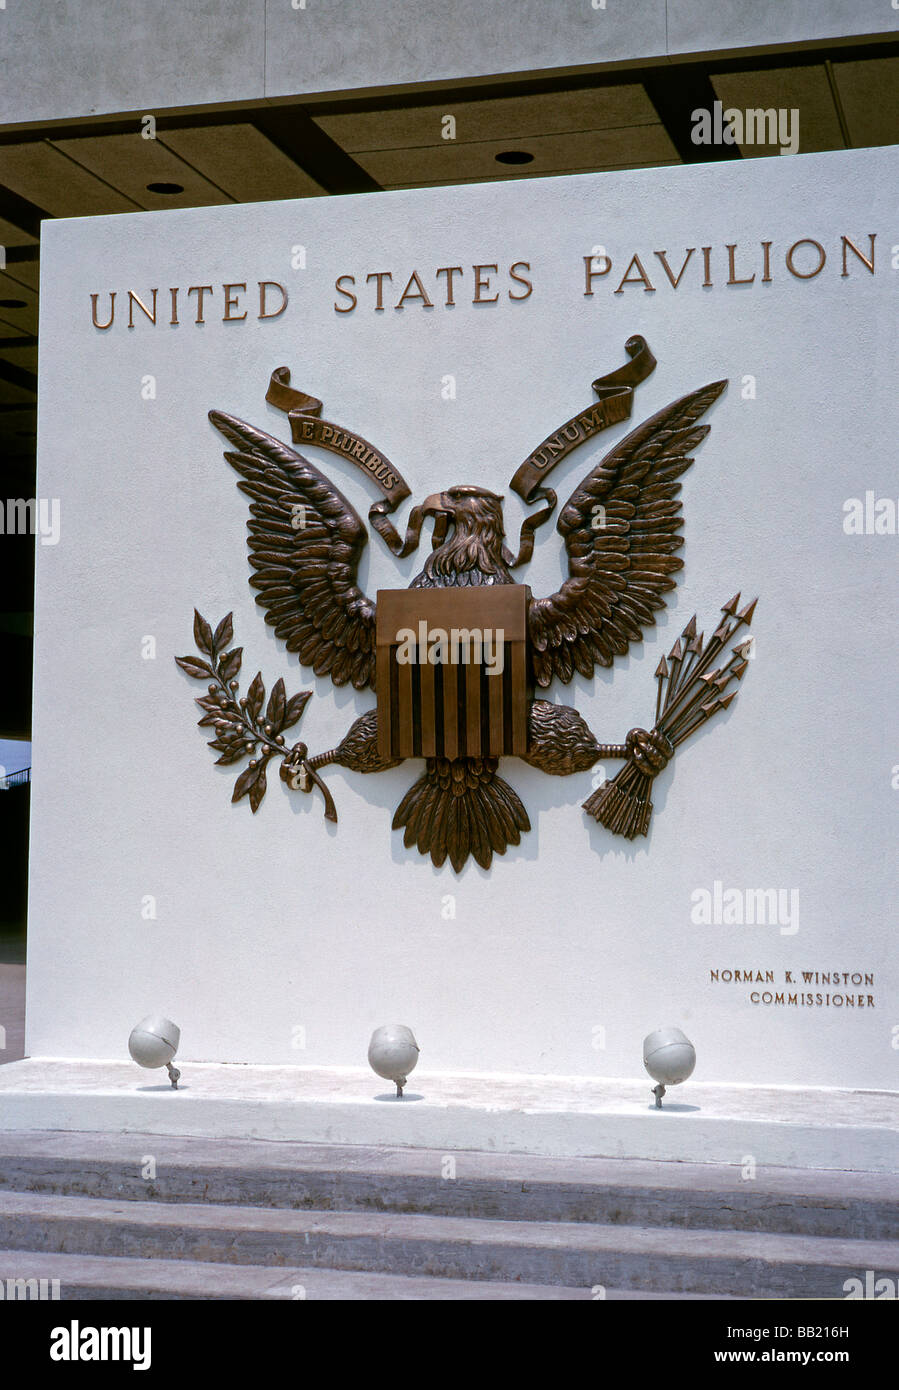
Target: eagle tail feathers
[(460, 808)]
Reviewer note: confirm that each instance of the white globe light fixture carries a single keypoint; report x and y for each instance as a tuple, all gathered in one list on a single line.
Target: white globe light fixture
[(669, 1057), (393, 1053), (154, 1042)]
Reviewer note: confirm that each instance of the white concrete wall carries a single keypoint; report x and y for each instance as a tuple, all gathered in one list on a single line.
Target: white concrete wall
[(279, 921), (695, 27), (90, 57)]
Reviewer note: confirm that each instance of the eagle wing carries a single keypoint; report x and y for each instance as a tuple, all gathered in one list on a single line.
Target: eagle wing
[(305, 541), (620, 528)]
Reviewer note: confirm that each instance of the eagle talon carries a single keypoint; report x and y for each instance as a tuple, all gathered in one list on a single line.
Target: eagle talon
[(651, 751), (293, 769), (300, 775)]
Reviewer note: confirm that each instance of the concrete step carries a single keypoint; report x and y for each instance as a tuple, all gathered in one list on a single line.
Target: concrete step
[(557, 1117), (504, 1187), (87, 1277), (569, 1254), (111, 1277)]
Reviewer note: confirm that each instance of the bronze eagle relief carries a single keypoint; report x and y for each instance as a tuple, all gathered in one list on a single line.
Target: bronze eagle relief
[(456, 661)]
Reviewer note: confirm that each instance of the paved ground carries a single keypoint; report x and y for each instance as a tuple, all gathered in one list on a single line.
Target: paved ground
[(12, 998)]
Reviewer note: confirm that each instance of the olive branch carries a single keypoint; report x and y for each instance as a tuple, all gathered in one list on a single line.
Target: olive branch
[(241, 728)]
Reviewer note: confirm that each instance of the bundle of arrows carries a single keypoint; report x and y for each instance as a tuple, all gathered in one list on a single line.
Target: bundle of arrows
[(688, 695)]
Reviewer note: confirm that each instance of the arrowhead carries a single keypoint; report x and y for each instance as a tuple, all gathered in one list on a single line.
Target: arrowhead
[(746, 615), (727, 699), (662, 668), (695, 644), (723, 632), (710, 677), (731, 608), (677, 651), (739, 669), (690, 629), (742, 647)]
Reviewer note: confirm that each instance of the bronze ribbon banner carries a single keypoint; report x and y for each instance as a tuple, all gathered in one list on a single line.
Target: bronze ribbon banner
[(307, 427), (615, 393)]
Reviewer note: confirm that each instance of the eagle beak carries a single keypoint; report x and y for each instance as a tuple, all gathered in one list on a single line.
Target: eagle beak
[(440, 507), (435, 504)]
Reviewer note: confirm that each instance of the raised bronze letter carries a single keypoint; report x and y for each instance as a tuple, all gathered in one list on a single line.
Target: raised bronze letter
[(806, 241), (263, 285), (449, 271), (231, 303), (132, 300), (200, 290), (520, 279), (481, 284), (380, 276), (94, 298)]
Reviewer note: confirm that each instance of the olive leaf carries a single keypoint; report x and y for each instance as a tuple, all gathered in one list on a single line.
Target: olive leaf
[(255, 696), (229, 664), (251, 781), (295, 706), (257, 791), (203, 634), (223, 633), (194, 667), (232, 756), (277, 705)]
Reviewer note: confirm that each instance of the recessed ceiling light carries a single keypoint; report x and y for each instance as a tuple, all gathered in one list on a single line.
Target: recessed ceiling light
[(168, 188), (13, 304), (514, 157)]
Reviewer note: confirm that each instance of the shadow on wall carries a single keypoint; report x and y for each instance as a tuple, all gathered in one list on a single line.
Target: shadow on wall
[(14, 813)]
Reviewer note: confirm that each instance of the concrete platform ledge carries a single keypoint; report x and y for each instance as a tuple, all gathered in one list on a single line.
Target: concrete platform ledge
[(560, 1116)]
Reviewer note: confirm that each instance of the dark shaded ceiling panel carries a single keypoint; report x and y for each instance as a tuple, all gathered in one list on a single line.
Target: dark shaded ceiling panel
[(504, 118), (869, 95), (803, 90), (551, 154), (44, 176), (242, 161)]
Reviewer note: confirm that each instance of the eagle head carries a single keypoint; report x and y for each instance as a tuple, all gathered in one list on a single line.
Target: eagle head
[(468, 539)]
